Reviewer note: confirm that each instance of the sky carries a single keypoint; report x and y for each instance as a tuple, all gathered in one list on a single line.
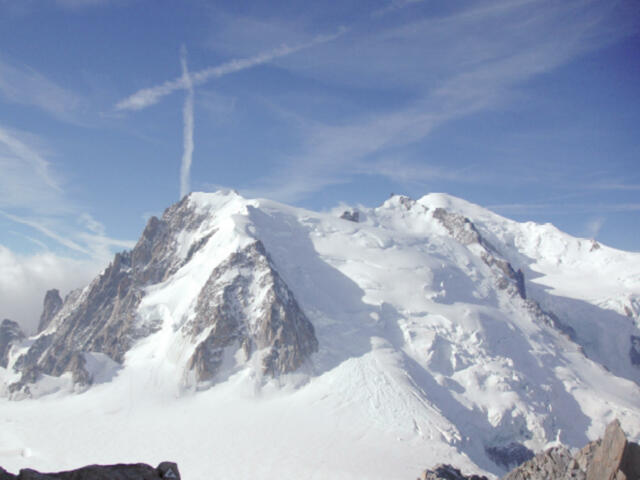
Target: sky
[(112, 110)]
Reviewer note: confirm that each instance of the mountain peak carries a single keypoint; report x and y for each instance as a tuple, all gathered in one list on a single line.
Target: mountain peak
[(433, 321)]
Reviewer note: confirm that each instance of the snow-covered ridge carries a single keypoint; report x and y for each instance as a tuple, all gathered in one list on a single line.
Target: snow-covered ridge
[(429, 325)]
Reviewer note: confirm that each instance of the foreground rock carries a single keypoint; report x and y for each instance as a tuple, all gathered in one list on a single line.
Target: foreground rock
[(447, 472), (137, 471), (610, 458)]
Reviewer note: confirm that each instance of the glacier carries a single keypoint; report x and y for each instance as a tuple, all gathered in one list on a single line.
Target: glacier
[(248, 338)]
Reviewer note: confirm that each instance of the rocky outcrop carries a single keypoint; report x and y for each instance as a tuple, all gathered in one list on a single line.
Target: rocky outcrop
[(102, 318), (612, 458), (51, 306), (136, 471), (615, 458), (447, 472), (10, 334), (555, 463), (458, 226), (510, 455), (231, 316), (634, 351), (465, 232), (352, 216)]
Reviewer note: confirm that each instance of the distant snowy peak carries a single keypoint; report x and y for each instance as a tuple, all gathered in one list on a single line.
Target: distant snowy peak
[(549, 257)]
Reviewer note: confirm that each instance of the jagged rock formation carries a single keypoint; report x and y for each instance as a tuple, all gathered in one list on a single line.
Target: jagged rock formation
[(51, 306), (10, 333), (137, 471), (464, 231), (610, 458), (272, 322), (103, 318)]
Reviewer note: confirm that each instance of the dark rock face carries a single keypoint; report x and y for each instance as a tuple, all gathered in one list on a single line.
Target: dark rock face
[(52, 305), (351, 216), (10, 333), (510, 455), (137, 471), (447, 472), (464, 231), (634, 351), (271, 322), (102, 318)]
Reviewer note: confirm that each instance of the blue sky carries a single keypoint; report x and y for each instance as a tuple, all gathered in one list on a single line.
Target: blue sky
[(109, 109)]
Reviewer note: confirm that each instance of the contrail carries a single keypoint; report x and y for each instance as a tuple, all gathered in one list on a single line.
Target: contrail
[(187, 116), (152, 95)]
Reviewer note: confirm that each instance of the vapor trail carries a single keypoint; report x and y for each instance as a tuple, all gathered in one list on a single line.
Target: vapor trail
[(152, 95), (187, 116)]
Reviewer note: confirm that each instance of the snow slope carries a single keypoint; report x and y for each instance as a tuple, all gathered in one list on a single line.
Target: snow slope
[(427, 352)]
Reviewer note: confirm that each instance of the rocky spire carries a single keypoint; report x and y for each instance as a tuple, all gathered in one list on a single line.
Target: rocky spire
[(51, 306)]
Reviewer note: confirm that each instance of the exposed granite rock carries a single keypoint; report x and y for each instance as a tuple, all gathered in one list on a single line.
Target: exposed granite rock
[(464, 231), (447, 472), (352, 216), (51, 306), (555, 463), (10, 333), (510, 455), (634, 351), (459, 226), (611, 458), (137, 471), (102, 317), (232, 316), (549, 318)]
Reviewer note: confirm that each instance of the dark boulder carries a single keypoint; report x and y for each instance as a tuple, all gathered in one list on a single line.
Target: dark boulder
[(136, 471)]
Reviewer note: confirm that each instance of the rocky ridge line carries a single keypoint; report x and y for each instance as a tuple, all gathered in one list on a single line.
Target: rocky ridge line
[(609, 458)]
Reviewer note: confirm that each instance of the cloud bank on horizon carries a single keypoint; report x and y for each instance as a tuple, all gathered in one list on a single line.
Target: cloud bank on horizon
[(529, 106)]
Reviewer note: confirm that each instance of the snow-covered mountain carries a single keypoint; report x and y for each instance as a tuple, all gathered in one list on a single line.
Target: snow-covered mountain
[(369, 343)]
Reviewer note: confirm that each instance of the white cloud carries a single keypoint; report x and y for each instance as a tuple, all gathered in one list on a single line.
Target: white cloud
[(187, 117), (25, 279), (42, 228), (453, 67), (35, 202), (152, 95), (594, 226), (26, 86), (27, 179)]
